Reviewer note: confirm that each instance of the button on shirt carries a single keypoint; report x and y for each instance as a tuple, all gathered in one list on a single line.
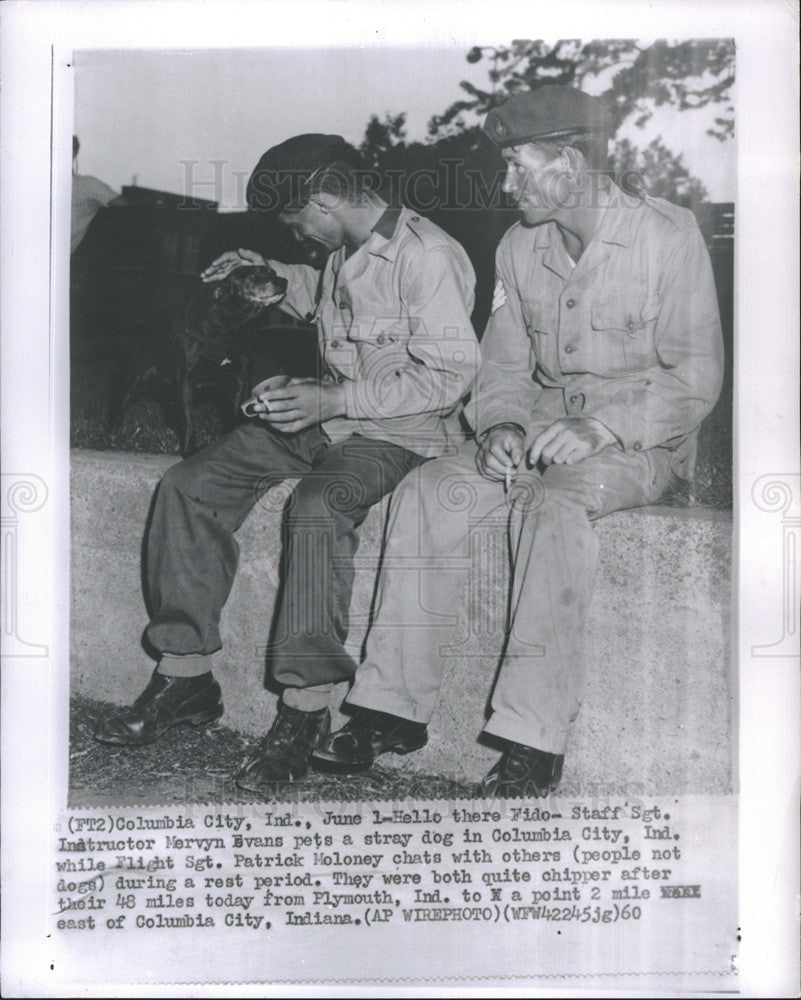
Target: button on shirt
[(632, 331), (393, 323)]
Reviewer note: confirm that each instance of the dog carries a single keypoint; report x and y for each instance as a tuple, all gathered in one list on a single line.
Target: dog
[(211, 343)]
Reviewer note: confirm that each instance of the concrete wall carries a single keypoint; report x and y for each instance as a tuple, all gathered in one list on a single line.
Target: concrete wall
[(657, 714)]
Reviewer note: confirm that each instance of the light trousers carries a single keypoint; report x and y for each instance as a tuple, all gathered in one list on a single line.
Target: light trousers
[(445, 523)]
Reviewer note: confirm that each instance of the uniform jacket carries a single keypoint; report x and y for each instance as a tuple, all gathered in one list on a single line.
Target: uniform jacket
[(631, 334), (393, 324)]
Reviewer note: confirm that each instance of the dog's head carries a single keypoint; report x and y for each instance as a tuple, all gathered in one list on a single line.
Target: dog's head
[(222, 310), (258, 284)]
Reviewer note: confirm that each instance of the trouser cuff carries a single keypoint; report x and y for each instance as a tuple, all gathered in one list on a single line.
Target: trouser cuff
[(309, 699), (529, 734), (403, 709), (190, 665)]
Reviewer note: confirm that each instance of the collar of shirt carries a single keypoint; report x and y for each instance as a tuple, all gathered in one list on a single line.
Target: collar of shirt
[(618, 225), (382, 239), (382, 242)]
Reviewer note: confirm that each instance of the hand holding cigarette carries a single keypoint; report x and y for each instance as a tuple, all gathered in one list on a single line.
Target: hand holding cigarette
[(255, 405), (500, 453)]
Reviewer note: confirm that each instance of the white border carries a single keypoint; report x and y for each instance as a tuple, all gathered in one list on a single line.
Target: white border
[(34, 387)]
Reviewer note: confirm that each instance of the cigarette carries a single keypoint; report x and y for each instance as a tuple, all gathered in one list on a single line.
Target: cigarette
[(508, 482)]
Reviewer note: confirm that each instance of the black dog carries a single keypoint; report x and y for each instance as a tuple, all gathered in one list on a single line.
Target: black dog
[(211, 342)]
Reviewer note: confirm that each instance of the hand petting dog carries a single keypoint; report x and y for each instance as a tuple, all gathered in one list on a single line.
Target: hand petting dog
[(229, 261)]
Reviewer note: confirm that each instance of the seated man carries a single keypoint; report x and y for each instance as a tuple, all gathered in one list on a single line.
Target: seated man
[(602, 355), (392, 309)]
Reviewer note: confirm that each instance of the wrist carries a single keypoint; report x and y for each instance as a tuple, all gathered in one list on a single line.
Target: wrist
[(506, 425)]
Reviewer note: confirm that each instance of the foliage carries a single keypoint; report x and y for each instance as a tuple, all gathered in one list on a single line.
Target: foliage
[(381, 136), (664, 172), (685, 75)]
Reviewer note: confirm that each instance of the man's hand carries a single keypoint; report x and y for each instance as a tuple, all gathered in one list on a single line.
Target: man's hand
[(302, 403), (569, 440), (501, 452), (228, 262)]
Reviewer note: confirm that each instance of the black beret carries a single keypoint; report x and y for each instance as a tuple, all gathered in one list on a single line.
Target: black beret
[(549, 112), (280, 181)]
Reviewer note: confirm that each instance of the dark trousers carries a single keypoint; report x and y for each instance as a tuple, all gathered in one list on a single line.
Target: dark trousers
[(192, 554)]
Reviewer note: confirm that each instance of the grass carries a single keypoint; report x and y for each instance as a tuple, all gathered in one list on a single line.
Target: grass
[(143, 427)]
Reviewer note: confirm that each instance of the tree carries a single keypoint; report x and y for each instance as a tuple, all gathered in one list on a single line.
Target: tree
[(665, 172), (381, 136), (690, 74)]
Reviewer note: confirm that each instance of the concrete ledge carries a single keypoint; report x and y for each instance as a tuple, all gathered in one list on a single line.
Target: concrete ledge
[(657, 714)]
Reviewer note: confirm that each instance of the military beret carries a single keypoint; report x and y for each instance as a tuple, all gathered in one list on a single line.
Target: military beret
[(281, 179), (549, 112)]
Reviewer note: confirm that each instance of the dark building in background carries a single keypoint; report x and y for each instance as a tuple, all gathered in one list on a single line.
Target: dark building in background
[(138, 257)]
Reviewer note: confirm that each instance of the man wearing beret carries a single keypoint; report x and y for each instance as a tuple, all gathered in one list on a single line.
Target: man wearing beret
[(392, 309), (602, 355)]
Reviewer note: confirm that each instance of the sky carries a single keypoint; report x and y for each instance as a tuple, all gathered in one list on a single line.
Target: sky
[(142, 114)]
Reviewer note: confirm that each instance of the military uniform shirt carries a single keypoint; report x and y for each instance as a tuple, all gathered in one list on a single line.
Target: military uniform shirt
[(394, 328), (631, 334)]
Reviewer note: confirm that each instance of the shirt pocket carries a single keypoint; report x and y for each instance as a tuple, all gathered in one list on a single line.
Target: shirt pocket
[(379, 343), (623, 327), (377, 331)]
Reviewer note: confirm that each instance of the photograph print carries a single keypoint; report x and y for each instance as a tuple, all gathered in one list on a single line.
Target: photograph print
[(401, 422)]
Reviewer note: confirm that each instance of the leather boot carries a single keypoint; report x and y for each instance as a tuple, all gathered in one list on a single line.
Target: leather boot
[(283, 755), (166, 702), (367, 734), (523, 772)]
